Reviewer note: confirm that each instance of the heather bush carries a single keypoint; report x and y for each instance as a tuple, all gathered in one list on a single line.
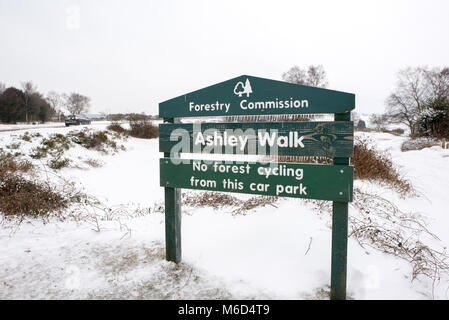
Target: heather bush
[(143, 129), (419, 144), (21, 195)]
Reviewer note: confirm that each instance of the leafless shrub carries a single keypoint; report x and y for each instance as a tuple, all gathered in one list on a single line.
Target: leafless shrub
[(10, 164), (319, 294), (96, 225), (378, 223), (256, 202), (157, 208), (94, 163), (373, 165), (22, 194), (13, 146), (419, 144), (210, 199), (28, 137), (97, 140), (56, 144), (396, 131), (219, 200), (117, 127), (143, 128), (59, 163), (379, 121)]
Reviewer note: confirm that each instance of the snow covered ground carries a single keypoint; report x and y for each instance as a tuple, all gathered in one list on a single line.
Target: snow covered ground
[(271, 252), (27, 126)]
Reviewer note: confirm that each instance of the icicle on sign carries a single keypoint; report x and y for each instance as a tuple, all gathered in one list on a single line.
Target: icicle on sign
[(246, 95)]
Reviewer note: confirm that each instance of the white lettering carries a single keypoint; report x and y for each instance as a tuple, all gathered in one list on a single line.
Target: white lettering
[(217, 106), (263, 139)]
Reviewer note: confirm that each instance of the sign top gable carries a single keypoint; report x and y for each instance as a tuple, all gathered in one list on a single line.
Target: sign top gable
[(248, 95)]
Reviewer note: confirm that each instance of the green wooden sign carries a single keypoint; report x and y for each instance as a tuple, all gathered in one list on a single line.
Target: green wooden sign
[(322, 139), (271, 179), (247, 95)]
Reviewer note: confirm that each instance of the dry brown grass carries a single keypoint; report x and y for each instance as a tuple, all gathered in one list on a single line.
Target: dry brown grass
[(56, 144), (117, 127), (23, 195), (256, 202), (8, 163), (143, 129), (19, 196), (419, 144), (220, 200), (372, 165), (378, 223), (209, 199), (139, 128), (94, 163)]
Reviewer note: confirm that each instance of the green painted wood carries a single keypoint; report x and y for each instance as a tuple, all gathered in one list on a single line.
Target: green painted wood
[(339, 233), (173, 225), (247, 95), (311, 181), (324, 139), (339, 250), (172, 220)]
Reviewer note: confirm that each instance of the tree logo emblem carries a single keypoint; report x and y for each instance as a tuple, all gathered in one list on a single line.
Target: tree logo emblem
[(241, 88)]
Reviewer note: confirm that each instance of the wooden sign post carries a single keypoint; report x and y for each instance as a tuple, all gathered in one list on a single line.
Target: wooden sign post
[(246, 95)]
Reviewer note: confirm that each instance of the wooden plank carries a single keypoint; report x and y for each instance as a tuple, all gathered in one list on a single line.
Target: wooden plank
[(172, 220), (173, 224), (311, 181), (340, 217), (247, 95), (323, 139), (339, 254)]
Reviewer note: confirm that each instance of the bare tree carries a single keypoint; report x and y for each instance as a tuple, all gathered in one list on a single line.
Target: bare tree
[(312, 76), (355, 117), (77, 103), (2, 87), (415, 88), (379, 121), (295, 75), (317, 76), (29, 89), (438, 80), (56, 102)]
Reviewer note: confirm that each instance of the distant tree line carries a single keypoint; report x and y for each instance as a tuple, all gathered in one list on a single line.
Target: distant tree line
[(130, 116), (27, 104)]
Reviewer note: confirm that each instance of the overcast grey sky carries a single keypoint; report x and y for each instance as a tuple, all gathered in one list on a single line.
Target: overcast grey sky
[(130, 55)]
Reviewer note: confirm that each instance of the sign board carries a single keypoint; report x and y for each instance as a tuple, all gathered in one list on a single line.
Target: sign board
[(280, 179), (247, 95), (321, 139)]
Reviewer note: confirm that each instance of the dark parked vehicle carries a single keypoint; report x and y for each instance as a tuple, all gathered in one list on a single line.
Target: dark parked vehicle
[(75, 120)]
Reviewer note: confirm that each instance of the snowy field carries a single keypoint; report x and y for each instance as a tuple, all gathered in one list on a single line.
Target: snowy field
[(279, 251), (26, 126)]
